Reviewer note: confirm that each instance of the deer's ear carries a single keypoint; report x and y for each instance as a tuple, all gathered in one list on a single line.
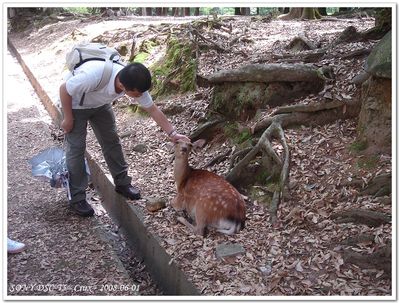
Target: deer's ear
[(199, 143)]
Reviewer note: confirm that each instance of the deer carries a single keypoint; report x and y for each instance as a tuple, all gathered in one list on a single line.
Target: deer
[(206, 197)]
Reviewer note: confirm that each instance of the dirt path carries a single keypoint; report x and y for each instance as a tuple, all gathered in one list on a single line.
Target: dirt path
[(65, 254)]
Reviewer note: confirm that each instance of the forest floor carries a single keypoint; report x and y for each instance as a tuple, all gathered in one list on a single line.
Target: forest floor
[(304, 253)]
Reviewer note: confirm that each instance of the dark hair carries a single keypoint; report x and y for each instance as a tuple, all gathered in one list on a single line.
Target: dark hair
[(135, 76)]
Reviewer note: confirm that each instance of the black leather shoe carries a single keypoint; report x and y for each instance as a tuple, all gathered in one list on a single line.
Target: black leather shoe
[(128, 191), (82, 208)]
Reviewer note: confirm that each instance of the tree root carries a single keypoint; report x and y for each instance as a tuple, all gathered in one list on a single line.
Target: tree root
[(357, 53), (367, 217), (311, 114), (379, 186), (308, 108), (265, 147), (218, 159), (272, 126), (381, 259), (367, 238), (212, 43), (278, 194)]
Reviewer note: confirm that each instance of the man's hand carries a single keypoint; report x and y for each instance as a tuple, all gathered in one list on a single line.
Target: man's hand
[(175, 137), (67, 125)]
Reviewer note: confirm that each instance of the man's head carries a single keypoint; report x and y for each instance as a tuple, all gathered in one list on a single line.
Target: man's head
[(135, 77)]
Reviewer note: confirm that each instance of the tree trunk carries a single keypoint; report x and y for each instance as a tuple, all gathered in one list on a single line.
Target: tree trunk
[(295, 13), (148, 11), (11, 12), (374, 127), (308, 13), (238, 93), (245, 11), (158, 11), (322, 11), (186, 11)]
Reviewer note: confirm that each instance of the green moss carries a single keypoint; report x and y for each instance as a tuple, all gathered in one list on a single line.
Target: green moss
[(176, 71), (263, 177), (141, 57), (147, 46), (232, 131), (358, 146), (367, 163), (237, 100), (145, 49), (135, 109)]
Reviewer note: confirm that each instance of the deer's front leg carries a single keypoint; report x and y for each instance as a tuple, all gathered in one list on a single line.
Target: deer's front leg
[(186, 223)]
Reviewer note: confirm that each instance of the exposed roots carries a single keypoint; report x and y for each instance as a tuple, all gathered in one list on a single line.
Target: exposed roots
[(367, 217), (264, 146), (272, 127)]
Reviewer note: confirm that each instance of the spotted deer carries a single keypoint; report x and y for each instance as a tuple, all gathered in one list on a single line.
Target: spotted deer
[(206, 197)]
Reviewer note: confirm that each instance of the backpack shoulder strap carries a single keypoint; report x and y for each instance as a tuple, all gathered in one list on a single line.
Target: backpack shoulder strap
[(106, 76)]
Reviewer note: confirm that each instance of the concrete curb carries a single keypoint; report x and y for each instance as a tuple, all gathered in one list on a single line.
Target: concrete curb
[(161, 266)]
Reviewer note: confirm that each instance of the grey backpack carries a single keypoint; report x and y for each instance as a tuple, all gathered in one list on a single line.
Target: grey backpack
[(88, 51)]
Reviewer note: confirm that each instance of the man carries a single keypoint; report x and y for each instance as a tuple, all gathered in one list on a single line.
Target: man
[(82, 103)]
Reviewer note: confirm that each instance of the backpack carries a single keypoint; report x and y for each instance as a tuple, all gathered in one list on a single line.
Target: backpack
[(88, 51)]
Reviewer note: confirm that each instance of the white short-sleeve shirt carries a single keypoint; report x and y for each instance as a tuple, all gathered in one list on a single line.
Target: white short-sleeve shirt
[(86, 78)]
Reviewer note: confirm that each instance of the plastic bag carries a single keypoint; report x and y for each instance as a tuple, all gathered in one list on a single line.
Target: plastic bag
[(50, 165)]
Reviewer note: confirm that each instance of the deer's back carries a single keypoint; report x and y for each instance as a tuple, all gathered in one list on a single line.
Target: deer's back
[(213, 196)]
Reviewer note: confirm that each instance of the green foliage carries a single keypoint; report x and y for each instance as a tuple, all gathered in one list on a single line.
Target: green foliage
[(268, 10), (332, 10), (77, 10)]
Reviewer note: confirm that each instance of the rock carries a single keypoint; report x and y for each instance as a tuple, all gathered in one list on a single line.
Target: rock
[(140, 148), (300, 43), (379, 62), (154, 204), (359, 79), (266, 270), (122, 49), (229, 250)]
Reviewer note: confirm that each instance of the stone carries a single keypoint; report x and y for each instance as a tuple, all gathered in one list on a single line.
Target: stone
[(379, 62), (229, 250), (140, 148), (266, 269), (154, 204)]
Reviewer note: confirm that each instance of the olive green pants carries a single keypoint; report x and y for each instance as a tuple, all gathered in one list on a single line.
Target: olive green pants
[(102, 121)]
